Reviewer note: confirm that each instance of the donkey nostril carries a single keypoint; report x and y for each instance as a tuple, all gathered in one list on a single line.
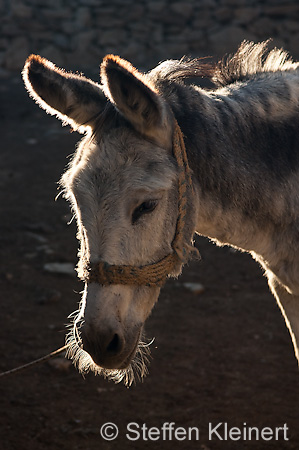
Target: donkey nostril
[(104, 348), (114, 345)]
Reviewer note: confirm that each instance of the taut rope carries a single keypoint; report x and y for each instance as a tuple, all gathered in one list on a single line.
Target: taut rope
[(36, 361), (153, 274)]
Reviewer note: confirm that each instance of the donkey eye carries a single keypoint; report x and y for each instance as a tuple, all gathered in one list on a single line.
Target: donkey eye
[(144, 208)]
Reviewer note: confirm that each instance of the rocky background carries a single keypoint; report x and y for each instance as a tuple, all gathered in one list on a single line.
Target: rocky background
[(76, 34)]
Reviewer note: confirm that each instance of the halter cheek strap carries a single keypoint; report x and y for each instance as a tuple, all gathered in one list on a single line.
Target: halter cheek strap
[(153, 274)]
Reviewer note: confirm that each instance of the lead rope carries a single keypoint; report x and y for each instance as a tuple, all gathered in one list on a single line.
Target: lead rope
[(152, 274), (36, 361)]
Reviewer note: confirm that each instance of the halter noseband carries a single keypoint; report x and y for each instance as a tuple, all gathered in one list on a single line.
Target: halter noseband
[(153, 274)]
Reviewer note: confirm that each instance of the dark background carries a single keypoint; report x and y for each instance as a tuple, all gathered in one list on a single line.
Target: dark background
[(78, 33)]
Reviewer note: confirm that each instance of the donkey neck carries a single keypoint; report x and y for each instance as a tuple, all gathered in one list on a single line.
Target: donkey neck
[(241, 155)]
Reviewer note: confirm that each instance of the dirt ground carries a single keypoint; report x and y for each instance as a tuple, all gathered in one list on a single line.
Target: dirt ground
[(222, 356)]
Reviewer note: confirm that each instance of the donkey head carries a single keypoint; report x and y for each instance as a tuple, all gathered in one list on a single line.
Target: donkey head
[(122, 184)]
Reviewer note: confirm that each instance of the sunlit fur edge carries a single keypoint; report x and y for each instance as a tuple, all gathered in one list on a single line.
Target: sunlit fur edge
[(137, 370)]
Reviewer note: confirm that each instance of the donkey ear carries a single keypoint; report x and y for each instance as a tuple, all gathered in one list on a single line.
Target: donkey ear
[(72, 98), (137, 99)]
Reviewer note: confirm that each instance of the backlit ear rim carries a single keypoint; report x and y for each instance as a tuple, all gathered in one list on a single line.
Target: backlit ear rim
[(72, 98), (34, 67), (136, 98), (113, 64)]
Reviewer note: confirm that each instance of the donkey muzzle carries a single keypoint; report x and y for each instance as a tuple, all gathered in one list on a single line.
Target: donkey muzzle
[(108, 346)]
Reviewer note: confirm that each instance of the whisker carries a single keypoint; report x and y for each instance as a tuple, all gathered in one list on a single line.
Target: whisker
[(84, 363), (62, 192), (71, 220)]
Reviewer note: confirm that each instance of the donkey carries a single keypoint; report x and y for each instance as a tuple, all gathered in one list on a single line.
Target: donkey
[(241, 140)]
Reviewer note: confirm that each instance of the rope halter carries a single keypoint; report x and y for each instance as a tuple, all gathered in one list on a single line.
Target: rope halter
[(153, 274)]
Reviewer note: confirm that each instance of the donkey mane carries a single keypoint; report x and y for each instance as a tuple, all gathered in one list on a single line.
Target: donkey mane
[(249, 59), (178, 70)]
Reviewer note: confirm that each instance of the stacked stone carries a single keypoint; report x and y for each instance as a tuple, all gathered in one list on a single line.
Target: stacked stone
[(78, 33)]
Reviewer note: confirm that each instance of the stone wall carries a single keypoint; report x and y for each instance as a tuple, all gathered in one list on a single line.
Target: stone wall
[(78, 33)]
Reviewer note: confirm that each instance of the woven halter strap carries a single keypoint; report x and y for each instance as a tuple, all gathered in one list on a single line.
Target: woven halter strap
[(154, 274)]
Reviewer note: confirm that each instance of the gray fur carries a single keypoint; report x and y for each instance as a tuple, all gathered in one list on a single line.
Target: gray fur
[(242, 145)]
